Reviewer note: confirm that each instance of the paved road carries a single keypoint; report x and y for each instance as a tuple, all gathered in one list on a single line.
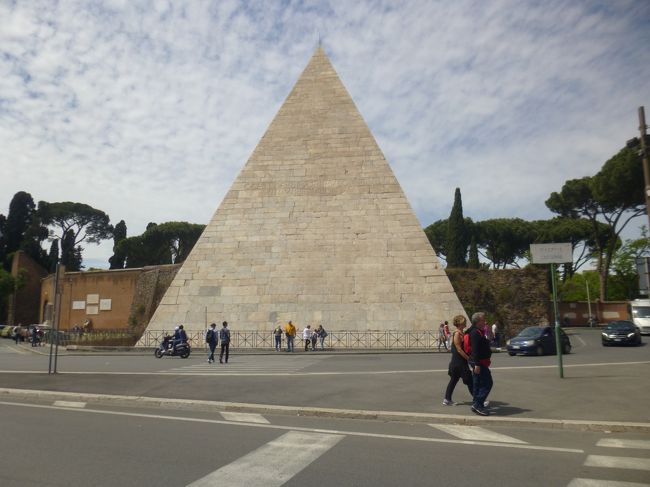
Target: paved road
[(600, 384), (70, 444)]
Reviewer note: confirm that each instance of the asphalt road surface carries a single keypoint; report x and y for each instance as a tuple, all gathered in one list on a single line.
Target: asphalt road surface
[(76, 444)]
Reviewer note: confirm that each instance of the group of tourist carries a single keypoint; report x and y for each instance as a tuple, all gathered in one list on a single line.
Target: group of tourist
[(309, 336), (492, 333), (470, 362)]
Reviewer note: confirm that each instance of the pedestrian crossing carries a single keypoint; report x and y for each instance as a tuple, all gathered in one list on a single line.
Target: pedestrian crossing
[(250, 365), (304, 447), (618, 463)]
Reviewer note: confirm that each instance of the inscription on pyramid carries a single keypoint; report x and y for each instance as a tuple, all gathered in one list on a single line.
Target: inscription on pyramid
[(315, 229)]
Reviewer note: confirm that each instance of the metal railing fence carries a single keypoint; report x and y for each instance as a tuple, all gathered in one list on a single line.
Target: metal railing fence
[(342, 340)]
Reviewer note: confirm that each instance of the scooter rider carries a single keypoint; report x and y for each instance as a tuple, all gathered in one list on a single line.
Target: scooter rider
[(179, 337)]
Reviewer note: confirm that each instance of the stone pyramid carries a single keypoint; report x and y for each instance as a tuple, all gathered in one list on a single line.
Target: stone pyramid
[(315, 229)]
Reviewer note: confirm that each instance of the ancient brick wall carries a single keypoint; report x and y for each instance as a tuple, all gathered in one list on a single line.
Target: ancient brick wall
[(517, 298)]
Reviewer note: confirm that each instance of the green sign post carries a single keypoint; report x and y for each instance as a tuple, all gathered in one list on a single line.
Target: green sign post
[(553, 254)]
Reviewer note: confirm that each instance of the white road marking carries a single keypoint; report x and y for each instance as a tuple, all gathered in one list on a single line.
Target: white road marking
[(69, 404), (475, 433), (617, 443), (159, 417), (617, 462), (296, 371), (245, 417), (274, 463), (603, 483)]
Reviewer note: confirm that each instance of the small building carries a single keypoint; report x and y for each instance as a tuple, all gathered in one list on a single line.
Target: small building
[(117, 299)]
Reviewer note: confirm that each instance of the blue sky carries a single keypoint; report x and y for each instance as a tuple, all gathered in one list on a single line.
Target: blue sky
[(147, 110)]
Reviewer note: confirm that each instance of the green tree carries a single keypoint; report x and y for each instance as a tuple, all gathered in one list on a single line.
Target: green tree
[(505, 240), (625, 280), (19, 219), (167, 243), (574, 288), (70, 254), (53, 255), (118, 258), (613, 196), (457, 240), (86, 223), (3, 242), (437, 235)]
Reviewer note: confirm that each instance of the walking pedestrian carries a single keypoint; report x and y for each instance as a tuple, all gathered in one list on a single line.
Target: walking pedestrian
[(224, 337), (18, 332), (441, 336), (277, 335), (477, 347), (458, 367), (211, 339), (306, 336), (447, 336), (290, 332)]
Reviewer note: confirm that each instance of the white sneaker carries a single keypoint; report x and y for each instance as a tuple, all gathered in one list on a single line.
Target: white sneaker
[(486, 404), (446, 402)]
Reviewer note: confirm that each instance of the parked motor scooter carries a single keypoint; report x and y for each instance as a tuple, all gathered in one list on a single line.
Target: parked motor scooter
[(181, 350)]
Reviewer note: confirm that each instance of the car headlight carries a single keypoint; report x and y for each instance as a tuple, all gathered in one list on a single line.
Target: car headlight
[(630, 335), (527, 343), (605, 335), (508, 342)]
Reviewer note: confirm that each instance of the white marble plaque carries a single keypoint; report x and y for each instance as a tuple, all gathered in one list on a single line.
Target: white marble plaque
[(92, 299), (92, 310), (105, 304), (78, 305)]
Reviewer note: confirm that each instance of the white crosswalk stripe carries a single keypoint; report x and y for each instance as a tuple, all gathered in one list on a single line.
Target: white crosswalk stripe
[(245, 417), (603, 483), (475, 433), (620, 443), (261, 466), (617, 462)]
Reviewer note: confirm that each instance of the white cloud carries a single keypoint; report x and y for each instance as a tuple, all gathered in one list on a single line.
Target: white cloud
[(148, 110)]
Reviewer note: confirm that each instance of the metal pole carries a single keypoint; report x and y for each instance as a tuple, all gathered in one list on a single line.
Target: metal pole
[(54, 329), (589, 320), (644, 155), (558, 342)]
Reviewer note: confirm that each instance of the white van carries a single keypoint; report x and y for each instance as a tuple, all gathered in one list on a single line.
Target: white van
[(640, 311)]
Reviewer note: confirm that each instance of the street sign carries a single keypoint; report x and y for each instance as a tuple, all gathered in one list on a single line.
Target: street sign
[(555, 253)]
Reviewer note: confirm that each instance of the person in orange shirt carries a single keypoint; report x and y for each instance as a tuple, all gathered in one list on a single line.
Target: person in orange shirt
[(290, 332)]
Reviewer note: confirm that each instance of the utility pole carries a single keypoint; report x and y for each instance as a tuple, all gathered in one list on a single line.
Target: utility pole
[(644, 156)]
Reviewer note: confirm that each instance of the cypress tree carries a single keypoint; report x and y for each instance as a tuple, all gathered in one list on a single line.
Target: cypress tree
[(53, 256), (456, 234), (70, 256)]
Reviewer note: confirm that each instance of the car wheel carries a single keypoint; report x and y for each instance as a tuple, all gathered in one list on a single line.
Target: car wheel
[(512, 354), (566, 349), (540, 350), (605, 344)]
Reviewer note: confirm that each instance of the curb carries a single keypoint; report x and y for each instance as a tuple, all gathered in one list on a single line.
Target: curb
[(410, 417)]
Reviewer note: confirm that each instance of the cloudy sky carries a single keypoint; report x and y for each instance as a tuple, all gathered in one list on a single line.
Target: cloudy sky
[(147, 110)]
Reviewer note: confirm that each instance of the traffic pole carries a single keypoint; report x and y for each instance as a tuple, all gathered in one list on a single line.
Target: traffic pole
[(558, 341)]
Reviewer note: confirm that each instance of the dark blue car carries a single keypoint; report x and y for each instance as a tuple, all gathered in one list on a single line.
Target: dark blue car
[(538, 340)]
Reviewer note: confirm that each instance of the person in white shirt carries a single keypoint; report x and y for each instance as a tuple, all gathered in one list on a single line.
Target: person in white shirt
[(306, 336)]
